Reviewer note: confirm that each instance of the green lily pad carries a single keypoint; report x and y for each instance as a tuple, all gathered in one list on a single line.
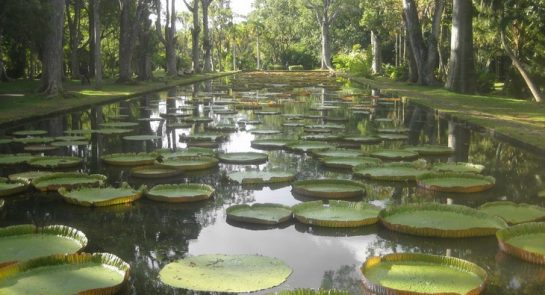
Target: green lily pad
[(395, 155), (198, 119), (68, 180), (293, 124), (265, 131), (55, 162), (243, 158), (154, 171), (458, 167), (338, 153), (336, 119), (179, 125), (29, 132), (100, 196), (393, 130), (29, 175), (309, 146), (5, 140), (79, 131), (265, 144), (514, 213), (223, 127), (112, 131), (214, 137), (13, 188), (123, 125), (456, 182), (129, 159), (180, 193), (70, 138), (524, 241), (225, 112), (190, 163), (362, 139), (190, 152), (311, 292), (320, 137), (249, 122), (390, 172), (329, 188), (336, 213), (270, 214), (33, 140), (439, 220), (431, 150), (326, 126), (416, 273), (349, 162), (267, 113), (26, 241), (261, 177), (98, 273), (15, 159), (209, 273), (142, 137), (69, 143), (392, 136), (37, 148)]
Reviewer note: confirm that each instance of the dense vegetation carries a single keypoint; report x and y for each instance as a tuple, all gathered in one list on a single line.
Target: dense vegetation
[(464, 45)]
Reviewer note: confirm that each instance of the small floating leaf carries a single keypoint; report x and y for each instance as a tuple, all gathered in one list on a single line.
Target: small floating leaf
[(180, 193), (259, 213)]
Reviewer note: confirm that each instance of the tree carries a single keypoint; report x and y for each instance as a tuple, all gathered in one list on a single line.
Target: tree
[(461, 69), (425, 53), (97, 58), (74, 29), (206, 43), (326, 12), (145, 45), (52, 54), (195, 31), (128, 25), (169, 39)]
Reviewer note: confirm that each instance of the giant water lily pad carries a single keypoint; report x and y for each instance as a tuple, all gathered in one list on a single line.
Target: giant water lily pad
[(71, 138), (336, 213), (392, 136), (14, 159), (265, 144), (261, 177), (180, 193), (431, 150), (33, 140), (24, 242), (29, 132), (112, 131), (13, 188), (395, 155), (142, 137), (514, 213), (179, 125), (243, 158), (321, 137), (349, 162), (55, 162), (100, 196), (129, 159), (225, 273), (118, 125), (393, 130), (458, 167), (190, 163), (265, 131), (29, 175), (337, 153), (214, 137), (267, 113), (362, 139), (270, 214), (39, 148), (68, 143), (329, 188), (390, 172), (189, 152), (154, 171), (98, 273), (308, 146), (456, 182), (198, 119), (68, 180), (525, 241), (416, 273), (439, 220)]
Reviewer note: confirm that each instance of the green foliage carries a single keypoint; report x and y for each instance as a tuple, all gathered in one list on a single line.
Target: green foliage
[(356, 62), (276, 67), (296, 68), (400, 73)]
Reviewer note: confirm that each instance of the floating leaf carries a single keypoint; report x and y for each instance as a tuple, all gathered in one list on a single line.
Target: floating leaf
[(29, 132), (431, 150), (390, 172), (225, 273), (154, 171), (259, 213), (514, 213), (261, 177), (243, 158), (524, 241), (54, 162), (272, 143), (142, 137), (68, 180), (129, 159), (180, 193), (112, 131), (458, 167), (118, 124), (329, 188), (337, 153), (190, 163), (349, 162), (309, 146), (29, 175), (395, 155), (456, 182), (8, 189), (265, 131), (336, 213), (14, 159), (100, 196)]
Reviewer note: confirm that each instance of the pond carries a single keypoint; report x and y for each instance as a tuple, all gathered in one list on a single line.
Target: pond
[(148, 235)]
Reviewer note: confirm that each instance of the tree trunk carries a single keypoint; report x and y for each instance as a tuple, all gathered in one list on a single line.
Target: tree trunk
[(258, 54), (91, 32), (96, 44), (534, 88), (52, 55), (432, 57), (195, 31), (144, 52), (169, 40), (461, 69), (376, 67), (207, 45), (125, 42), (74, 36), (326, 47), (3, 75), (409, 56)]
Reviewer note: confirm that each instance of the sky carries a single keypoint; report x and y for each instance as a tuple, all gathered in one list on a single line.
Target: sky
[(242, 7)]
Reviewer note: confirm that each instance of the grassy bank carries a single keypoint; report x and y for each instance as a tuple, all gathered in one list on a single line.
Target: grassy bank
[(520, 121), (19, 101)]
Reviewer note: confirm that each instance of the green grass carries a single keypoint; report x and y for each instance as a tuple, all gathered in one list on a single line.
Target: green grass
[(19, 100), (523, 121)]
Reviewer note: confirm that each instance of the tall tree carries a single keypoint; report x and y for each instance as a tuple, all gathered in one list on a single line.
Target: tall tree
[(130, 12), (145, 45), (97, 59), (206, 42), (169, 39), (325, 13), (461, 69), (52, 54), (424, 53), (195, 32), (74, 34)]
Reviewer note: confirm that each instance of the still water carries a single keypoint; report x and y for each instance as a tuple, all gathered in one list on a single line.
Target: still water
[(149, 235)]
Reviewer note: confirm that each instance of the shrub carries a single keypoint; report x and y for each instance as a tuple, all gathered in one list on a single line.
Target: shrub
[(276, 67), (296, 68), (485, 82), (400, 73), (356, 62)]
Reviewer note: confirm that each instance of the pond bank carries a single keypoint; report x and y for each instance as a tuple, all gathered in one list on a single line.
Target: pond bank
[(517, 121), (18, 105)]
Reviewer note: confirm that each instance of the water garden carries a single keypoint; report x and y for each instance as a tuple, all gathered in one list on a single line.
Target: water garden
[(272, 182)]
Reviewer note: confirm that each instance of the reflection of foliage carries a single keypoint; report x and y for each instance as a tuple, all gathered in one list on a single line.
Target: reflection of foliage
[(346, 278)]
